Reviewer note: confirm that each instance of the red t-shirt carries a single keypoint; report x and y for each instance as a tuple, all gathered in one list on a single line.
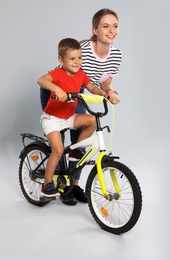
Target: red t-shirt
[(68, 83)]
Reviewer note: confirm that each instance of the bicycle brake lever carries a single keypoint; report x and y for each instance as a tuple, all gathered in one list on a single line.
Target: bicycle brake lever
[(107, 127)]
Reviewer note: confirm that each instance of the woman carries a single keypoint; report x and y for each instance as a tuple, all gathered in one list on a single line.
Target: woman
[(101, 62)]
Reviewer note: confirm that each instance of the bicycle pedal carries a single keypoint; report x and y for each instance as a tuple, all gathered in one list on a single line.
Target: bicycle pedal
[(91, 163)]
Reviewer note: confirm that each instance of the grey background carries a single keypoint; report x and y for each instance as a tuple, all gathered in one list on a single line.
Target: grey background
[(30, 31)]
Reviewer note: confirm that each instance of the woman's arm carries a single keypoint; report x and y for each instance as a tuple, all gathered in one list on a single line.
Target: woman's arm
[(113, 97), (112, 94), (106, 86)]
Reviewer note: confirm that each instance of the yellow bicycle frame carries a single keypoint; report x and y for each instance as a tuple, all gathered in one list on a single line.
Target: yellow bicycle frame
[(100, 174), (101, 177)]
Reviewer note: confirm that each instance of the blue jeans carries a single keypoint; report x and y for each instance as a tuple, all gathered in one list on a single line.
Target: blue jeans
[(44, 96), (74, 134)]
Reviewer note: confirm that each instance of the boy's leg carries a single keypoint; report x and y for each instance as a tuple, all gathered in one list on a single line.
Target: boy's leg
[(44, 96), (80, 109), (88, 122), (74, 134), (55, 141)]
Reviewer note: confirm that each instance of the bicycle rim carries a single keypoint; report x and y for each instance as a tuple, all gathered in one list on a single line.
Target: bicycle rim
[(121, 212)]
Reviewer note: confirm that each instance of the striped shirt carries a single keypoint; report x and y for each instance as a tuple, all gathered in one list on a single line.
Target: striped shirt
[(97, 69)]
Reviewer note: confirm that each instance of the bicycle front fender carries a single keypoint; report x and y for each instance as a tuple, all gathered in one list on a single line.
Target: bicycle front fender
[(109, 158)]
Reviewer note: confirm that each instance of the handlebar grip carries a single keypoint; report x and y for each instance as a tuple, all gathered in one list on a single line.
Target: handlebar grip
[(70, 96), (55, 96)]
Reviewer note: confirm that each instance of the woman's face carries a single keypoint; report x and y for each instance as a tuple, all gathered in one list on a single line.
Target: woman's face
[(107, 29)]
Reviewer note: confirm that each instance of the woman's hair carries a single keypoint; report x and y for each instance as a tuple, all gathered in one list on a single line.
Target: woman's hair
[(96, 20), (67, 44)]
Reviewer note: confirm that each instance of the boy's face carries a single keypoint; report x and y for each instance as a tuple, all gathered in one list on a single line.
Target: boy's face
[(71, 61)]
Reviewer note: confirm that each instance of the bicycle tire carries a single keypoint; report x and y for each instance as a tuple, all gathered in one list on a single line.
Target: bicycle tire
[(30, 186), (120, 213)]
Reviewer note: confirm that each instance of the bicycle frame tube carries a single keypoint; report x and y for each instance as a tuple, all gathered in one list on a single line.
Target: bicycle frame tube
[(90, 141), (93, 142), (87, 156)]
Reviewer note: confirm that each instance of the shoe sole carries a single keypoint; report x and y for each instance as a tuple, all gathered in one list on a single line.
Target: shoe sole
[(57, 195), (69, 203)]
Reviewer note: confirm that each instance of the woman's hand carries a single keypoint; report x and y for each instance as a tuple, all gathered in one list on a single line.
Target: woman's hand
[(113, 97)]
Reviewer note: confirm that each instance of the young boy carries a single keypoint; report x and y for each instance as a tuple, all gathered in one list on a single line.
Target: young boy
[(59, 114)]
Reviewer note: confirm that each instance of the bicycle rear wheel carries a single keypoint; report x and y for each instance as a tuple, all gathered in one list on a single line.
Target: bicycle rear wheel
[(30, 180), (121, 211)]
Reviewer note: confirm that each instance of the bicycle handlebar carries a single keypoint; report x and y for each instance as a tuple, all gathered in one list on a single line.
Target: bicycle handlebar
[(84, 98)]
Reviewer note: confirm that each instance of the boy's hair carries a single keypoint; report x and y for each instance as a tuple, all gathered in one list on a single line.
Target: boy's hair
[(66, 44)]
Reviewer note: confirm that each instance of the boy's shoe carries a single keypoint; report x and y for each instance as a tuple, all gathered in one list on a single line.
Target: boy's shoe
[(68, 199), (49, 190), (79, 194), (75, 155)]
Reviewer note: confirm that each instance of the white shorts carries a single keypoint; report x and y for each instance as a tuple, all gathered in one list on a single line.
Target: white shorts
[(51, 123)]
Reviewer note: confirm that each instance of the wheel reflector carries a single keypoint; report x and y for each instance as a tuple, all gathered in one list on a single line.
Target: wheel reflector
[(35, 157), (104, 212)]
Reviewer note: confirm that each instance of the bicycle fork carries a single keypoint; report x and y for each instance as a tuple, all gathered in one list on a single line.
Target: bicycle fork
[(101, 177), (100, 171)]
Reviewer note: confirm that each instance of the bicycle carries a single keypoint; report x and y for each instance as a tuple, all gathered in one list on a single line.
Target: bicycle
[(113, 191)]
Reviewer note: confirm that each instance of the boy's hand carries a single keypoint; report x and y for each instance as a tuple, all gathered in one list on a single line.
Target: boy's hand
[(61, 95)]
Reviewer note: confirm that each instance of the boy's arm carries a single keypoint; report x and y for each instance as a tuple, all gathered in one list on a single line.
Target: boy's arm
[(113, 96), (46, 82), (95, 90)]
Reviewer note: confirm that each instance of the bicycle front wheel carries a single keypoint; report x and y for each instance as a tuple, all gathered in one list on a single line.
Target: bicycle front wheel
[(120, 212), (30, 180)]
